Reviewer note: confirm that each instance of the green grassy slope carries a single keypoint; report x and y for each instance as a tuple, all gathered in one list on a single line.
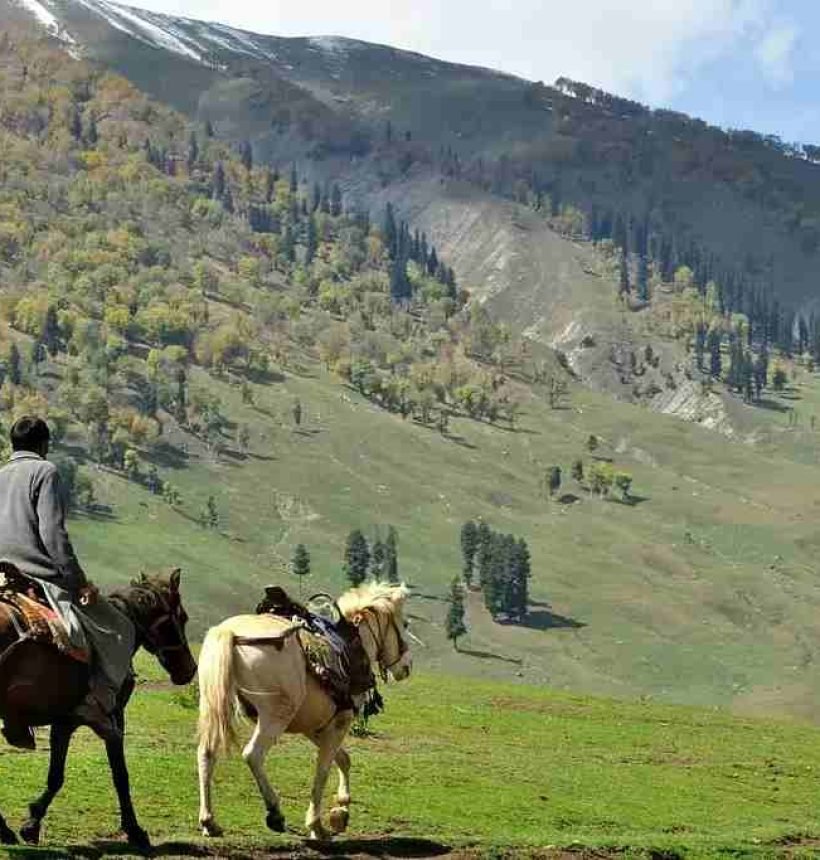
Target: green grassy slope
[(703, 592), (596, 774)]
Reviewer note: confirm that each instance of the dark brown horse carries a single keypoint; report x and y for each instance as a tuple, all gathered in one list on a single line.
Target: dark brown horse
[(39, 686)]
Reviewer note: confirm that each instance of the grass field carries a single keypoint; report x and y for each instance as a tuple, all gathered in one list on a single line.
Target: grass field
[(458, 765), (703, 591)]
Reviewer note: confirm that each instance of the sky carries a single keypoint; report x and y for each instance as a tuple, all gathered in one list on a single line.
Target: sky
[(736, 63)]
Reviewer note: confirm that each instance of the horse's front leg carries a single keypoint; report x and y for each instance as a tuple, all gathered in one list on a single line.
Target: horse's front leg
[(329, 741), (339, 815), (61, 734), (115, 749)]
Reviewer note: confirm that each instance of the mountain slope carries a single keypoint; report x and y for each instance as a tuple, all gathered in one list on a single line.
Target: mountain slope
[(738, 208), (190, 324)]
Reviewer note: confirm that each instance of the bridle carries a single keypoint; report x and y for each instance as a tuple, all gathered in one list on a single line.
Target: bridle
[(381, 638), (149, 635)]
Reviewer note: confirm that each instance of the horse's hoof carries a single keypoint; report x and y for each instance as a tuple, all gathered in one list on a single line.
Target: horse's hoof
[(317, 833), (211, 828), (30, 833), (275, 821), (339, 818), (138, 838)]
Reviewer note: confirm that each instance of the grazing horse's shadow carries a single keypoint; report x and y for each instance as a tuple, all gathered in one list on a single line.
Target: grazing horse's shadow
[(377, 846)]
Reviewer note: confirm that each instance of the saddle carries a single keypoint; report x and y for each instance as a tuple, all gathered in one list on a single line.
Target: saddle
[(24, 606), (333, 649)]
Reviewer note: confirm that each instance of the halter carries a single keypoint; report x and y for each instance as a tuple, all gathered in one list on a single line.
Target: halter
[(382, 637), (148, 633)]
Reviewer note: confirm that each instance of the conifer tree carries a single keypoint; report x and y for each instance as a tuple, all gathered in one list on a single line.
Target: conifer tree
[(518, 573), (311, 241), (193, 151), (51, 331), (391, 233), (469, 548), (218, 182), (15, 365), (356, 558), (455, 625), (336, 201), (300, 564), (391, 562), (378, 559)]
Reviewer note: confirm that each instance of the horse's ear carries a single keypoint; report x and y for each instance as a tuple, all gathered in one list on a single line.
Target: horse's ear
[(176, 574)]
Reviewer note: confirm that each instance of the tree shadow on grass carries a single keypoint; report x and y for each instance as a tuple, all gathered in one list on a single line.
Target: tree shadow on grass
[(772, 405), (167, 456), (459, 440), (631, 501), (488, 655), (543, 619)]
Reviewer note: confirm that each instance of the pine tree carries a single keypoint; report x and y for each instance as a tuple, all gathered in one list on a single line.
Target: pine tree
[(211, 514), (51, 331), (336, 201), (15, 365), (454, 625), (193, 151), (553, 479), (715, 358), (378, 559), (623, 278), (300, 564), (294, 180), (392, 557), (643, 278), (578, 470), (356, 558), (311, 241), (218, 181), (246, 155), (390, 230), (518, 572), (469, 548)]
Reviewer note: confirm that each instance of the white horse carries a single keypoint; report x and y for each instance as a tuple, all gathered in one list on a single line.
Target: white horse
[(252, 663)]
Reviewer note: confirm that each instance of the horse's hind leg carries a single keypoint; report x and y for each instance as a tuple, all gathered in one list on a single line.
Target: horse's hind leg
[(206, 759), (329, 740), (60, 739), (265, 735), (339, 815)]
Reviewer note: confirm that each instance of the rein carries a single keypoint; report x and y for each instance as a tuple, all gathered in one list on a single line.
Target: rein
[(381, 639), (148, 633)]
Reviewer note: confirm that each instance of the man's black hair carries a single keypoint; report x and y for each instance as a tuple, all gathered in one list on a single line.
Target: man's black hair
[(29, 433)]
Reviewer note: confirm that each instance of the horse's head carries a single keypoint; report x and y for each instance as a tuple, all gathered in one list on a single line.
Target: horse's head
[(156, 609), (377, 609)]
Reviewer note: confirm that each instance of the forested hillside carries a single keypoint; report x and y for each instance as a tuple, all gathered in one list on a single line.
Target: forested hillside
[(739, 209), (134, 246)]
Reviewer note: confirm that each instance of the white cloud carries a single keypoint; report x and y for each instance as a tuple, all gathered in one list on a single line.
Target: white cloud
[(648, 50), (775, 54)]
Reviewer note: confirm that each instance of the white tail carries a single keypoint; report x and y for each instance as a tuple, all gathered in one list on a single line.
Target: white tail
[(218, 711)]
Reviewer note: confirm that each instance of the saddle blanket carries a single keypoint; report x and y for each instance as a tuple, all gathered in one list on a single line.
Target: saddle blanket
[(34, 620)]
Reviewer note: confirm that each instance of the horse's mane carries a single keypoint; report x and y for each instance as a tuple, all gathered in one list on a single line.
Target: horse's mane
[(381, 596), (145, 595)]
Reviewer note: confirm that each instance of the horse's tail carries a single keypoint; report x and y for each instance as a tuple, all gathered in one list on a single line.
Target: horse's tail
[(218, 706)]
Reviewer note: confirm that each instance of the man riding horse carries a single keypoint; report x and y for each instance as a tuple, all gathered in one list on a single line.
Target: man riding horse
[(34, 540)]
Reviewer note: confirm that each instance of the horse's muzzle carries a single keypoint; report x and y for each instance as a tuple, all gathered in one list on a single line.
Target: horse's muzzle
[(183, 674)]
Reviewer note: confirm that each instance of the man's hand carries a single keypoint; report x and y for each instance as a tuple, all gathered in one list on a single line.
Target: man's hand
[(88, 594)]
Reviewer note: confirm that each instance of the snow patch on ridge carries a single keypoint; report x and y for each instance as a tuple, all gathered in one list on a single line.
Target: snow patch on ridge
[(46, 19)]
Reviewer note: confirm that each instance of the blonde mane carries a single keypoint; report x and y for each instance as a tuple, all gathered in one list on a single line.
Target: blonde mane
[(381, 596)]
